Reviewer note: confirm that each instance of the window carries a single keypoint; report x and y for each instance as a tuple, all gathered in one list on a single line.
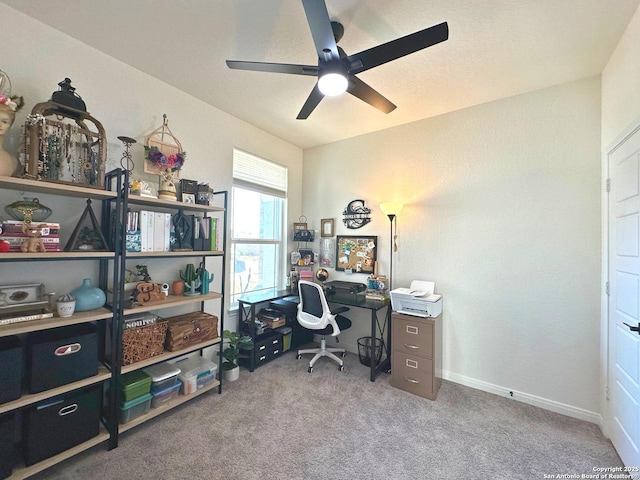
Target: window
[(257, 211)]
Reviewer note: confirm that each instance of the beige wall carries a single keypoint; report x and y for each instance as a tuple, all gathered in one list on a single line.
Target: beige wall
[(502, 212), (127, 102)]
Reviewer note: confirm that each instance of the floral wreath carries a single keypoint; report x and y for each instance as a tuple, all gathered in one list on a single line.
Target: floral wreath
[(173, 162), (14, 103)]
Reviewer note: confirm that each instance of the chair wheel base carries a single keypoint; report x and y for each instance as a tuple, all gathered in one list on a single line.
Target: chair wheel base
[(310, 369), (341, 368), (298, 356)]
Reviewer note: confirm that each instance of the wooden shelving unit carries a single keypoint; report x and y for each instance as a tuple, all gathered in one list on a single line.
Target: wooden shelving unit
[(112, 316)]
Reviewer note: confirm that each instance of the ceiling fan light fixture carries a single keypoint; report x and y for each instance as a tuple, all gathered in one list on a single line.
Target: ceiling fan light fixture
[(333, 84)]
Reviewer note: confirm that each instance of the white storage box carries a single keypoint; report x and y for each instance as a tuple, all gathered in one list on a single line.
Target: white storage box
[(163, 376), (196, 373)]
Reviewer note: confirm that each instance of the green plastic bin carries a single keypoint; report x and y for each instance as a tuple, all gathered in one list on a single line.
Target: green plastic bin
[(135, 384)]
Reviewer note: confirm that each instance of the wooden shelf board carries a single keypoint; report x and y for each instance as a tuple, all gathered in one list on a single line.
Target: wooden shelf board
[(154, 412), (158, 202), (54, 322), (168, 356), (22, 472), (30, 398), (172, 301), (194, 253), (40, 186), (45, 256)]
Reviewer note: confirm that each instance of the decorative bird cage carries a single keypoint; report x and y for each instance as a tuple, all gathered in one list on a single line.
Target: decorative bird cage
[(63, 142)]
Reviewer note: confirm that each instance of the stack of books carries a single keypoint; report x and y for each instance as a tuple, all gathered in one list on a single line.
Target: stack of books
[(11, 231)]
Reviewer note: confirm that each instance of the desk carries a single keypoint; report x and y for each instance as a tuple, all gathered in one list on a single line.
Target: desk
[(247, 311)]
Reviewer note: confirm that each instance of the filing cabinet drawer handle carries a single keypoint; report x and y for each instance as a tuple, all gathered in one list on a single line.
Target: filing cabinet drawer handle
[(411, 380), (263, 357), (274, 342), (262, 347), (411, 363), (275, 352), (412, 330), (68, 409), (411, 346)]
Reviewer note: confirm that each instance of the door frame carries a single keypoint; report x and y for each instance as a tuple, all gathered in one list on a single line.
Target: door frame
[(605, 340)]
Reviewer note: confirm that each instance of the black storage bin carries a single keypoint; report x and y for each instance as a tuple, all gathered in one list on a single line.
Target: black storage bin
[(60, 356), (7, 439), (60, 423), (299, 334), (10, 369)]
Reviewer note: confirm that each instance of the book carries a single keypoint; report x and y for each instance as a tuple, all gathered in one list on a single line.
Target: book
[(35, 224), (19, 239), (212, 235), (25, 318)]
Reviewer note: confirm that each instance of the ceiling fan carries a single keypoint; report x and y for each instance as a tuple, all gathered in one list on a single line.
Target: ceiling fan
[(336, 71)]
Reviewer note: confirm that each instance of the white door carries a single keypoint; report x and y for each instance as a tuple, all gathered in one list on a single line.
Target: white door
[(624, 299)]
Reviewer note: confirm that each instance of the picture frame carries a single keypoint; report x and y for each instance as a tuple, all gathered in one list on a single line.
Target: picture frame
[(326, 227), (189, 198), (299, 226), (356, 254), (87, 236)]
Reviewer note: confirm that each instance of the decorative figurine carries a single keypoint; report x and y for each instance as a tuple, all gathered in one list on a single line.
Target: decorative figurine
[(34, 243), (8, 108), (193, 285), (205, 278)]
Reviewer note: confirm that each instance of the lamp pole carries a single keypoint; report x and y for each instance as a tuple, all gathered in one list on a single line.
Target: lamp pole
[(392, 217), (391, 210)]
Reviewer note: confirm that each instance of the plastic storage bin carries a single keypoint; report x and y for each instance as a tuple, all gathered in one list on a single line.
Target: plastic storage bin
[(135, 384), (10, 368), (196, 373), (163, 376), (134, 408), (166, 395)]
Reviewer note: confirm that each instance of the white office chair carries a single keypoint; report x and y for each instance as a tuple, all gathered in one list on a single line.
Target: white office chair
[(314, 314)]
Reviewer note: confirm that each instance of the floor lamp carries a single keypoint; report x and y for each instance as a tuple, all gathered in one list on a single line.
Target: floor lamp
[(391, 210)]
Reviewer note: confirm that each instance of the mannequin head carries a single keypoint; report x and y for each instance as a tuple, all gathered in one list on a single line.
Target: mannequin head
[(7, 117)]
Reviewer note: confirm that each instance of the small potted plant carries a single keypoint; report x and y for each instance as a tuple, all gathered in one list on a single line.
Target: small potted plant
[(236, 344)]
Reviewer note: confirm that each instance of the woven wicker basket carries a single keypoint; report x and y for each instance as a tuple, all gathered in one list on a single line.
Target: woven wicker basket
[(143, 342)]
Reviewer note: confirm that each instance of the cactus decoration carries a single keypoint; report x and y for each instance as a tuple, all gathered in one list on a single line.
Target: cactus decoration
[(190, 279), (205, 278), (192, 287)]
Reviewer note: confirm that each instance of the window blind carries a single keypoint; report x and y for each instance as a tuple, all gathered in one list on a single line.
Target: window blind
[(258, 174)]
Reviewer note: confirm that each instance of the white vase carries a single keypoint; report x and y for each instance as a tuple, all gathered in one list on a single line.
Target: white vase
[(233, 374)]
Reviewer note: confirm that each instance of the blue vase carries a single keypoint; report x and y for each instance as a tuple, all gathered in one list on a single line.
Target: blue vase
[(88, 297)]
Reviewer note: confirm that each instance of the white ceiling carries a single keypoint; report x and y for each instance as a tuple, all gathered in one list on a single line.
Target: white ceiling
[(496, 48)]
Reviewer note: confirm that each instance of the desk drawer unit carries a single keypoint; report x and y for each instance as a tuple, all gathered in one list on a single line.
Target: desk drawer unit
[(267, 349), (416, 354)]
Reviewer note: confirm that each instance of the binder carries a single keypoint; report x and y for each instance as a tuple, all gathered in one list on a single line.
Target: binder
[(144, 232), (158, 232)]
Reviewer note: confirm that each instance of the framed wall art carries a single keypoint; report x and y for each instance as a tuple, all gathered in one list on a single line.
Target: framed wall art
[(356, 254), (326, 227)]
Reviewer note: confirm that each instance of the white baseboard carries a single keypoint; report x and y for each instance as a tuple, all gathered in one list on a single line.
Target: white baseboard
[(564, 409)]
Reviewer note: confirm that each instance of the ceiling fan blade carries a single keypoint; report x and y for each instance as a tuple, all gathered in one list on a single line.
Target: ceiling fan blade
[(359, 62), (293, 69), (364, 92), (312, 102), (321, 31)]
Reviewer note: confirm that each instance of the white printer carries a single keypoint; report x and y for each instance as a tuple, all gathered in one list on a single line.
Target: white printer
[(418, 299)]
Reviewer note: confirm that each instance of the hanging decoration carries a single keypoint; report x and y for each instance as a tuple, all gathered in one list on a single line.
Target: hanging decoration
[(356, 215), (163, 151)]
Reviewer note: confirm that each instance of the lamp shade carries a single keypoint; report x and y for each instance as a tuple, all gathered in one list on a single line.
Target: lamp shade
[(333, 84), (391, 208)]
